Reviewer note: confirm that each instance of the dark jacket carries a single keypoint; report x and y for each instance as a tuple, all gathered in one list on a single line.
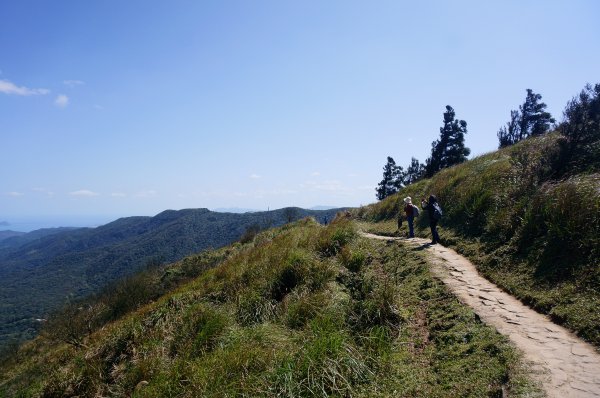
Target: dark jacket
[(429, 207)]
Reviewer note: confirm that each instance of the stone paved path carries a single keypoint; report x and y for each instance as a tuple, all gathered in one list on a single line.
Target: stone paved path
[(565, 365)]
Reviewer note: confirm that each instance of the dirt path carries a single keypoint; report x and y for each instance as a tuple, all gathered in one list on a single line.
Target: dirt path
[(565, 365)]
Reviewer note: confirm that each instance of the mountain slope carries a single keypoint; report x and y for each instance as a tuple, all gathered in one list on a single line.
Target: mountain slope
[(9, 234), (38, 275), (302, 310), (529, 228)]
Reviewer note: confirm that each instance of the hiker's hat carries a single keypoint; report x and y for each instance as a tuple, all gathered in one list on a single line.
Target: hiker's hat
[(408, 200)]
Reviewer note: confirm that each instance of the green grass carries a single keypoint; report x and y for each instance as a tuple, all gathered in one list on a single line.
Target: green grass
[(535, 236), (300, 311)]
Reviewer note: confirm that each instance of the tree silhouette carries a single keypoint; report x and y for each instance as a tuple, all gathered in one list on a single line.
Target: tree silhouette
[(581, 128), (530, 120), (509, 134), (450, 148), (414, 172), (393, 179)]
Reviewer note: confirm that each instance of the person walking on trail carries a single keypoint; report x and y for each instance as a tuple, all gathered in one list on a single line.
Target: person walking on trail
[(435, 214), (411, 212)]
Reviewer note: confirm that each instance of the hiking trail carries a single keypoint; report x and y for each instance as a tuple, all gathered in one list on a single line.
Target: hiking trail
[(565, 365)]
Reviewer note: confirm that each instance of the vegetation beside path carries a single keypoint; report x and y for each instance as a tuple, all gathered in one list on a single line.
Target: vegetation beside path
[(303, 310), (532, 231)]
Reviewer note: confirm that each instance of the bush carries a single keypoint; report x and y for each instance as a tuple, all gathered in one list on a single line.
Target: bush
[(563, 223), (581, 128), (353, 260), (335, 236), (200, 328)]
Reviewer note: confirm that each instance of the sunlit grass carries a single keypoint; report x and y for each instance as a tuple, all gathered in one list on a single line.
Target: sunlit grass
[(300, 311)]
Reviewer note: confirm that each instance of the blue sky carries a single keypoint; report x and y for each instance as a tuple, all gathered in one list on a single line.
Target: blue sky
[(128, 108)]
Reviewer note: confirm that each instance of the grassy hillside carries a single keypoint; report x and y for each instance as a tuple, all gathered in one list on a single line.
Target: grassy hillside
[(39, 271), (528, 225), (303, 310)]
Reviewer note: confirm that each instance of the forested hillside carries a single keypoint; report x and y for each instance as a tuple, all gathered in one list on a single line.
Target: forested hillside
[(41, 270)]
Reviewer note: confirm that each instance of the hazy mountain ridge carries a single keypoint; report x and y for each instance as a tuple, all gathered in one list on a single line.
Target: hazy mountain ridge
[(19, 239), (39, 274), (9, 234)]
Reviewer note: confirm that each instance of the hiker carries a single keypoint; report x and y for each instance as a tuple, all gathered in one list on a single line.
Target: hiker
[(411, 212), (435, 214)]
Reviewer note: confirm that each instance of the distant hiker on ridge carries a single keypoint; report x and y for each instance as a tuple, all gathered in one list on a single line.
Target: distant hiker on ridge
[(411, 212), (435, 214)]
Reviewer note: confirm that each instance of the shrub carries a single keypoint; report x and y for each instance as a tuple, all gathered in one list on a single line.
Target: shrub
[(335, 236), (353, 260), (200, 328), (563, 222)]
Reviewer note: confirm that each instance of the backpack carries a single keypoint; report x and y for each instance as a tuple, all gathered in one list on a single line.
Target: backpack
[(415, 210), (437, 212)]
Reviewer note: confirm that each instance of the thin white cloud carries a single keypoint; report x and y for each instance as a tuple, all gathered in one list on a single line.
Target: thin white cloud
[(15, 194), (146, 194), (73, 83), (7, 87), (118, 195), (44, 191), (255, 176), (84, 193), (329, 185), (61, 101), (315, 174)]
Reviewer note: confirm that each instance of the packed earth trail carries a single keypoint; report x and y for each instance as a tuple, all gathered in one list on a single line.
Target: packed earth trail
[(565, 365)]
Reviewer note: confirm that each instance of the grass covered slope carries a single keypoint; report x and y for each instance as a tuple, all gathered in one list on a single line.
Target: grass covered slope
[(39, 270), (303, 310), (534, 234)]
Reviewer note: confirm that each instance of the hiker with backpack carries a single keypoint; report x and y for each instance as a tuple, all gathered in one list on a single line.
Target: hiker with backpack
[(435, 215), (411, 212)]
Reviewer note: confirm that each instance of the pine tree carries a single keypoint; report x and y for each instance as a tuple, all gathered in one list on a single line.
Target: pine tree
[(581, 128), (530, 120), (509, 134), (393, 179), (534, 119), (450, 148), (414, 172)]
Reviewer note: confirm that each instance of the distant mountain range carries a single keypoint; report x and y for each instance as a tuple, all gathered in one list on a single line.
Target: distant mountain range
[(9, 234), (40, 270)]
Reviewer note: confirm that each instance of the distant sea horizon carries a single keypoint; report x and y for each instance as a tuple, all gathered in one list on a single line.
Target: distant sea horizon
[(32, 223)]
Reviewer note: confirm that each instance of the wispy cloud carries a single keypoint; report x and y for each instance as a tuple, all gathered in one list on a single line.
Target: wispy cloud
[(44, 191), (61, 101), (328, 185), (7, 87), (146, 194), (15, 194), (84, 193), (315, 174), (73, 83), (255, 176), (118, 195)]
